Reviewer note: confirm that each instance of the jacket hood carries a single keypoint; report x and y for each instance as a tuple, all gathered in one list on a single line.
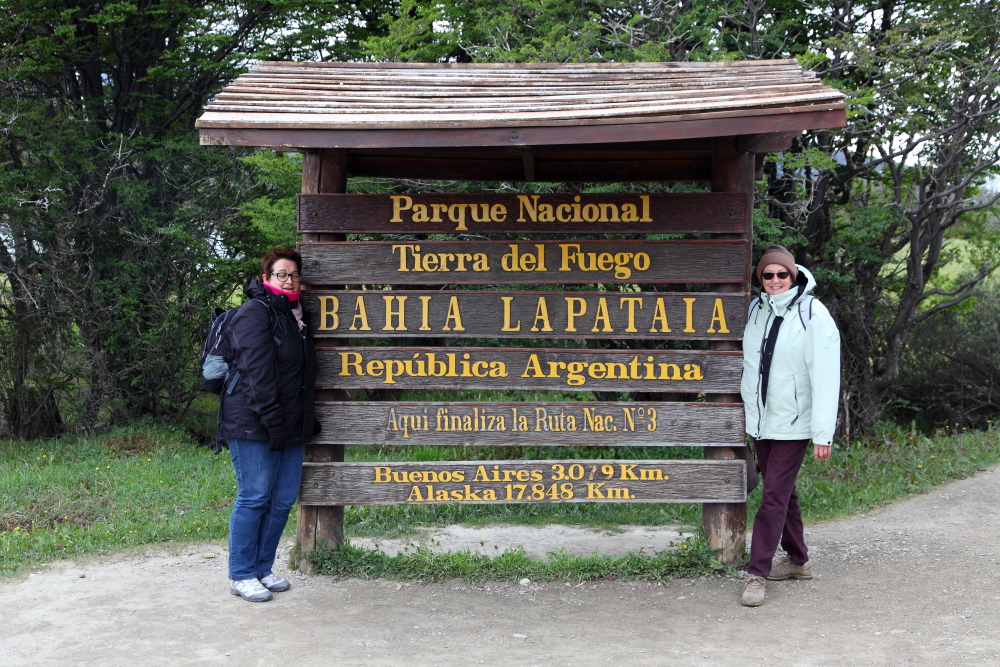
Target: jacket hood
[(256, 290), (803, 285)]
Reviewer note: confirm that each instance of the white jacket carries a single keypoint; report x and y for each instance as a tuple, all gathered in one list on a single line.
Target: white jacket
[(804, 387)]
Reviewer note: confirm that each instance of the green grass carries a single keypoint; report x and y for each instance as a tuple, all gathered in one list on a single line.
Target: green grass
[(78, 496), (693, 557)]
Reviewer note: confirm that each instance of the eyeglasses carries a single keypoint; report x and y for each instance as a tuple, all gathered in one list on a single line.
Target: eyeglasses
[(768, 275), (285, 275)]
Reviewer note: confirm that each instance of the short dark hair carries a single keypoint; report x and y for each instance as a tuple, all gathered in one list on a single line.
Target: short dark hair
[(267, 263)]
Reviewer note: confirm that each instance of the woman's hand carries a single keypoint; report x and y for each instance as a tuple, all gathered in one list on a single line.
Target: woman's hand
[(821, 452)]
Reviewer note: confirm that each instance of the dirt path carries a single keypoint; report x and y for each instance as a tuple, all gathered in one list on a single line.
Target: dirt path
[(915, 583)]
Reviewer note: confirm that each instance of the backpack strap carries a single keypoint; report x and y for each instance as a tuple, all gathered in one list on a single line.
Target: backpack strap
[(753, 304), (806, 311)]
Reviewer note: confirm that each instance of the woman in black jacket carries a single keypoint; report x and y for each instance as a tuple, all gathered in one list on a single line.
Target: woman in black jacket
[(266, 411)]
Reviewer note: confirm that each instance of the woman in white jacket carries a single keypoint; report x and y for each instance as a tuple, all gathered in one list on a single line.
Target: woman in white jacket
[(790, 389)]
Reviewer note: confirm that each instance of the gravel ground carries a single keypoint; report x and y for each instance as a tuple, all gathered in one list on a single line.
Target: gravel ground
[(917, 582)]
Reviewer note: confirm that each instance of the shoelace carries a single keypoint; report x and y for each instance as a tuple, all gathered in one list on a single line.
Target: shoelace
[(755, 582)]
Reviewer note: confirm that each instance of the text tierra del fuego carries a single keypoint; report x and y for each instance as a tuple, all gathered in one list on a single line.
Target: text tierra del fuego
[(502, 262)]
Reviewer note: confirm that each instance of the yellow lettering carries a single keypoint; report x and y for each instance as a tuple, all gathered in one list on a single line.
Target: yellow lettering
[(498, 213), (415, 495), (506, 315), (456, 213), (402, 255), (660, 315), (425, 302), (602, 315), (572, 314), (325, 311), (533, 365), (454, 315), (631, 301), (345, 365), (531, 206), (692, 372), (541, 313), (568, 256), (480, 262), (689, 310), (420, 213), (645, 209), (382, 475), (390, 313), (400, 203), (606, 210), (630, 213), (360, 314), (718, 315)]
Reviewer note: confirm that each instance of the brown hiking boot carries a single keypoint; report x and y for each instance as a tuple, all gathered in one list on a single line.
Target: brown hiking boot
[(753, 591), (786, 569)]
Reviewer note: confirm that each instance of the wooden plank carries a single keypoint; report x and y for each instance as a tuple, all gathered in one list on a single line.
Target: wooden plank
[(495, 482), (553, 171), (517, 314), (521, 262), (682, 371), (568, 423), (230, 132), (716, 213)]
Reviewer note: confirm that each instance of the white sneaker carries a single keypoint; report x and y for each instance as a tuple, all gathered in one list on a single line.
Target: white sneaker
[(275, 584), (250, 590)]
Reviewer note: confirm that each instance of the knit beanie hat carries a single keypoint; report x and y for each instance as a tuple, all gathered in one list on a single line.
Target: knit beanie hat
[(778, 254)]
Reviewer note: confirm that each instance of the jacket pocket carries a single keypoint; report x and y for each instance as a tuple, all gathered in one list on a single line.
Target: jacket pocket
[(803, 398)]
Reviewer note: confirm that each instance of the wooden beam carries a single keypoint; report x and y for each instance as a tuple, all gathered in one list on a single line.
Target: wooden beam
[(324, 172), (764, 120), (725, 523), (514, 314), (505, 263), (493, 482), (566, 423), (528, 160), (559, 369), (746, 143), (669, 213)]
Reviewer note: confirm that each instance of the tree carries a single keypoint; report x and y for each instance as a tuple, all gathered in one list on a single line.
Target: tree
[(875, 207), (117, 231)]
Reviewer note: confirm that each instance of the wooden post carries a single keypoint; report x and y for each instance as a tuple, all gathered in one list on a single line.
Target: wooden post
[(725, 524), (324, 171)]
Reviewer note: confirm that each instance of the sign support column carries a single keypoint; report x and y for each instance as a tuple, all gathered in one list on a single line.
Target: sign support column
[(323, 172), (725, 524)]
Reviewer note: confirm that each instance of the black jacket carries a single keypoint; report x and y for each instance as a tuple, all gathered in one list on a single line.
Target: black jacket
[(277, 367)]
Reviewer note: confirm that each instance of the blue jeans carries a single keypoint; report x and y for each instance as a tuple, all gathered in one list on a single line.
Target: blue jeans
[(267, 484)]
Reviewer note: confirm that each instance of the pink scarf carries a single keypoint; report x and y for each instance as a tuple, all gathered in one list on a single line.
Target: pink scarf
[(292, 296)]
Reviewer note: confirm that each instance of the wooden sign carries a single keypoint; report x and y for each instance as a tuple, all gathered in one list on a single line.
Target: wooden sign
[(488, 482), (484, 213), (491, 314), (527, 368), (555, 423), (502, 262)]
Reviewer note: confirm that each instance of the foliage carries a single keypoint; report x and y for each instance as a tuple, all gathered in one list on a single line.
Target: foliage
[(951, 371), (118, 232), (867, 206)]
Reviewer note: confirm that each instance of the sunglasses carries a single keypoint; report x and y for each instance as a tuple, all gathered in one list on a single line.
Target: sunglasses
[(768, 275)]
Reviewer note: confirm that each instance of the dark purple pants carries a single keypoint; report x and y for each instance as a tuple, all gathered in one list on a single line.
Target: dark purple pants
[(778, 518)]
